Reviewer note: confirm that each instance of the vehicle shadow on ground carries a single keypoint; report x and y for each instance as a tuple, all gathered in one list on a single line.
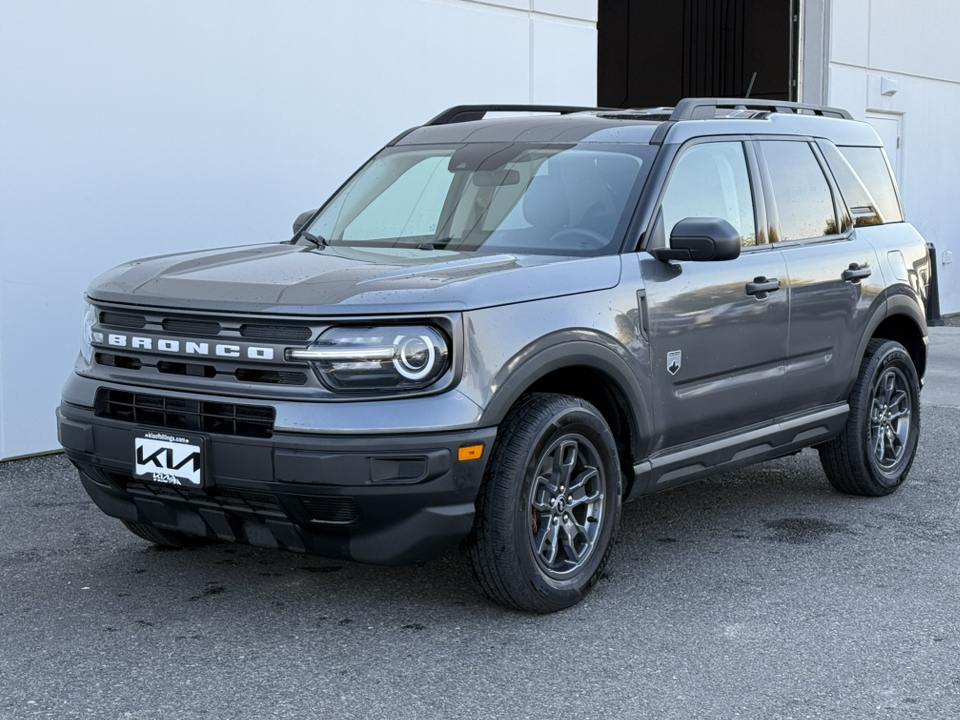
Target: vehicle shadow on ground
[(786, 502), (746, 518)]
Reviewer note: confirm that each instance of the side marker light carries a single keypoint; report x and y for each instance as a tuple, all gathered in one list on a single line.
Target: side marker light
[(470, 452)]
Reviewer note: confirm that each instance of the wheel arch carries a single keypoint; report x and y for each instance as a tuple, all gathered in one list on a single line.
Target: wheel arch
[(903, 322), (592, 372)]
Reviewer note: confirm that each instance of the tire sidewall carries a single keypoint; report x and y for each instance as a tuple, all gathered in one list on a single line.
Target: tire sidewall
[(585, 421)]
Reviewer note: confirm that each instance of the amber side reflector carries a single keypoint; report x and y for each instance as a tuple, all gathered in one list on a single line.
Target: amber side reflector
[(470, 452)]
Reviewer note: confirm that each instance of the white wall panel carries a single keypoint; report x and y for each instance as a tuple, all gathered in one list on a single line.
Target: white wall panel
[(918, 38), (581, 9), (514, 4), (849, 31), (130, 129), (560, 75), (847, 89)]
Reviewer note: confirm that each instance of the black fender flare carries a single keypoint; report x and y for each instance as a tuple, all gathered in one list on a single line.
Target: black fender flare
[(893, 305), (551, 353)]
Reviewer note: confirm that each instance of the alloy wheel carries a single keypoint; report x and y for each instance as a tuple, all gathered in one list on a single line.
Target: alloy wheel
[(890, 418), (566, 505)]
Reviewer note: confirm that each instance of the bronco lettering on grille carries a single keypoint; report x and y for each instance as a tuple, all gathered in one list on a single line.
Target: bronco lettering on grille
[(188, 347)]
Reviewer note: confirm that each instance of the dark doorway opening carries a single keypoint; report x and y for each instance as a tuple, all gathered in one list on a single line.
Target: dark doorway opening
[(652, 53)]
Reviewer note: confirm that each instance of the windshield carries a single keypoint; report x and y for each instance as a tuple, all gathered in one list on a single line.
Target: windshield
[(490, 198)]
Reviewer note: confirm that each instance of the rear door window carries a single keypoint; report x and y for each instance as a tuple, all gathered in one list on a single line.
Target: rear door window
[(800, 191), (871, 165)]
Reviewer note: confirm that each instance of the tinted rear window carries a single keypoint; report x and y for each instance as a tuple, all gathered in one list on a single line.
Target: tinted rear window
[(871, 165), (801, 192)]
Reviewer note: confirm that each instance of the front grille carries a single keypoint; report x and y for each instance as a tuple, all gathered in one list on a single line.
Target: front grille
[(120, 361), (333, 509), (207, 328), (168, 367), (171, 350), (276, 332), (186, 414), (192, 369), (119, 319), (271, 377)]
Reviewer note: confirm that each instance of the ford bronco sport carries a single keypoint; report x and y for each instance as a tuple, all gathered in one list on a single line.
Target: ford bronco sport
[(499, 329)]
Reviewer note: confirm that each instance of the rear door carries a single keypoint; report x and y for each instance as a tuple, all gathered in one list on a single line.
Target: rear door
[(717, 338), (832, 272)]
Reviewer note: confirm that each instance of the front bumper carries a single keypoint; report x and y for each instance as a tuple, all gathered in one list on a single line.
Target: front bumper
[(382, 499)]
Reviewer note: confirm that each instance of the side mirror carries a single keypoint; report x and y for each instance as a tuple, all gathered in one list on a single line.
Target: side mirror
[(302, 220), (696, 238)]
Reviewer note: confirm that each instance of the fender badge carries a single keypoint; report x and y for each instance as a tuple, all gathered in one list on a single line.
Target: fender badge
[(674, 361)]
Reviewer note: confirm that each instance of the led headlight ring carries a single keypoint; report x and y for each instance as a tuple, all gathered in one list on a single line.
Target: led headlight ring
[(408, 360)]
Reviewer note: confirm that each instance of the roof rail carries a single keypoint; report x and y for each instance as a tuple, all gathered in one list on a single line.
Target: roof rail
[(467, 113), (706, 108)]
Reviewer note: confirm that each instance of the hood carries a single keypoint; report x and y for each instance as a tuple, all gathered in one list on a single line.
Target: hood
[(293, 279)]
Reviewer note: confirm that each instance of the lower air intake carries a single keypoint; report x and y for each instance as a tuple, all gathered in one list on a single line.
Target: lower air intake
[(186, 414), (335, 510)]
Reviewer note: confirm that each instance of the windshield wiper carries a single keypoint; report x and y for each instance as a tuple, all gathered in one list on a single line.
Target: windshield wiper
[(318, 240), (438, 244)]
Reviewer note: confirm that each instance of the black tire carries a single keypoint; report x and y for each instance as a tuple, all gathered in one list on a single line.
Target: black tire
[(525, 512), (165, 538), (874, 453)]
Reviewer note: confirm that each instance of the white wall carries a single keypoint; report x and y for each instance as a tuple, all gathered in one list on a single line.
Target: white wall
[(916, 45), (135, 128)]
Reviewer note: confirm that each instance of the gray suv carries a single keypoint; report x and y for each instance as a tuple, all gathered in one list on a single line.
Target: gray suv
[(500, 329)]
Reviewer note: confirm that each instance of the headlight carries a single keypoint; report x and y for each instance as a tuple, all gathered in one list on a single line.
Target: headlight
[(378, 358), (86, 332)]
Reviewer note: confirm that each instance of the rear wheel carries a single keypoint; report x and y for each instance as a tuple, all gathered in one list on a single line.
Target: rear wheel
[(874, 453), (549, 508), (165, 538)]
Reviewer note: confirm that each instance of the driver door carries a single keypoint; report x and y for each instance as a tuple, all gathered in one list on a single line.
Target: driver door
[(717, 339)]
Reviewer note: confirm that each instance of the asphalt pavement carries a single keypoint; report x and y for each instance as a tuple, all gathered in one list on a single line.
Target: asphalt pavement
[(758, 594)]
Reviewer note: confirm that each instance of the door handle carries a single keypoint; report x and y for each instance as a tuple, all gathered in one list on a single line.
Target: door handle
[(761, 287), (855, 273)]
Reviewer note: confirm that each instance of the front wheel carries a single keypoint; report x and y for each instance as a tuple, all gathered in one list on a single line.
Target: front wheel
[(549, 508), (874, 453)]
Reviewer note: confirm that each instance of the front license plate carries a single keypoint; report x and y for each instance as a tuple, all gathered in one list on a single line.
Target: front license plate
[(168, 458)]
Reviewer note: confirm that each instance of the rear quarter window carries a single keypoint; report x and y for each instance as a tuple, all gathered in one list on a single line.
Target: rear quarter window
[(871, 166), (864, 209)]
